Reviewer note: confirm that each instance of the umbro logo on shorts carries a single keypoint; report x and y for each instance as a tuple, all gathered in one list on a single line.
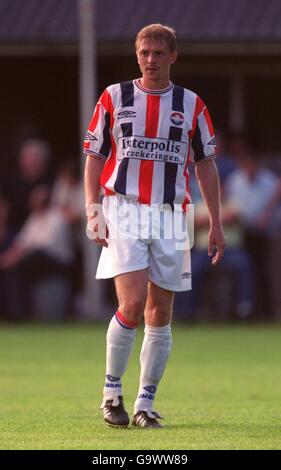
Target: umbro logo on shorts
[(126, 114), (186, 275)]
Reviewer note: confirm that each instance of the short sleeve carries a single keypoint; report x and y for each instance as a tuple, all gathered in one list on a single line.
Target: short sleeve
[(98, 137), (203, 142)]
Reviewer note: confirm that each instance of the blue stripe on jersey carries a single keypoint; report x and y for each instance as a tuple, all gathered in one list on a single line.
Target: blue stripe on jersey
[(106, 145), (197, 144), (127, 93), (171, 170), (178, 93), (127, 129), (175, 133), (121, 178)]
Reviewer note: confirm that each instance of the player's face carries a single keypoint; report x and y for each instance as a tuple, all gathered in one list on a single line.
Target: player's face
[(155, 59)]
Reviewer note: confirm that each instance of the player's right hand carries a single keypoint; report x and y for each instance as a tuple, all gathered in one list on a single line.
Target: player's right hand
[(97, 231)]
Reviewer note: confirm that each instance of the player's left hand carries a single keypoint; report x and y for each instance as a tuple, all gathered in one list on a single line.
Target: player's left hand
[(216, 245)]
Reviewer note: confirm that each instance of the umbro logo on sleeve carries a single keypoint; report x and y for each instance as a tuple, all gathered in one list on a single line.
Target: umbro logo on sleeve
[(212, 142), (90, 136)]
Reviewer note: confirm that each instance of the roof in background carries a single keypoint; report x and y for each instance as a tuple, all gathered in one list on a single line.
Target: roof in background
[(56, 21)]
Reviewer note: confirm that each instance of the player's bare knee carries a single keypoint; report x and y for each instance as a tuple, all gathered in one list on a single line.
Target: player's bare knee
[(158, 316), (133, 309)]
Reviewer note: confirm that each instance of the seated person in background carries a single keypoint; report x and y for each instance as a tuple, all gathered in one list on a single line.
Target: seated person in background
[(68, 193), (68, 197), (33, 168), (43, 254)]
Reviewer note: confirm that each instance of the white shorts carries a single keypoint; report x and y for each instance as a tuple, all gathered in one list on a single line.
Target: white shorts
[(142, 236)]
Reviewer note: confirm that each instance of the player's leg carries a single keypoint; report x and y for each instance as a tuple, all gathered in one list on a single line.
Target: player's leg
[(131, 291), (154, 354)]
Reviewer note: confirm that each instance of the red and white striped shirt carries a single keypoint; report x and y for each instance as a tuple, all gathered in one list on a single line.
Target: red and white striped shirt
[(147, 138)]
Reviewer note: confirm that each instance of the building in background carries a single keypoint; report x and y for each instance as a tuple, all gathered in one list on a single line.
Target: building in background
[(229, 53)]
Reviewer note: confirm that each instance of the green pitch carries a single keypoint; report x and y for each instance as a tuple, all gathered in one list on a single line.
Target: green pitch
[(221, 390)]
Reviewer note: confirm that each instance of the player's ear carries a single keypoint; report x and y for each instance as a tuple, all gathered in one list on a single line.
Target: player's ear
[(174, 57)]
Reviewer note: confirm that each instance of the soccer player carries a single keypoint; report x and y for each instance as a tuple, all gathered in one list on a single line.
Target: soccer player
[(142, 137)]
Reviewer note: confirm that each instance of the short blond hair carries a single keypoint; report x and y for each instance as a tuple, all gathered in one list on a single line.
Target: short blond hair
[(158, 32)]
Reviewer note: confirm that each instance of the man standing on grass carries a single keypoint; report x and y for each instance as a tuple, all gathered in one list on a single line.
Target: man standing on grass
[(142, 136)]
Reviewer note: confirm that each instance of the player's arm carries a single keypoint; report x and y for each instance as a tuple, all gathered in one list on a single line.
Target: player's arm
[(208, 180), (92, 173), (97, 147)]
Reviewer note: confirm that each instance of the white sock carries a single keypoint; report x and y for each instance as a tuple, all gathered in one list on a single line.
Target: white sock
[(119, 340), (155, 351)]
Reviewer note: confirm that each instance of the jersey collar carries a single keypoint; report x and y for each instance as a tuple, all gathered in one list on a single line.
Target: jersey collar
[(153, 92)]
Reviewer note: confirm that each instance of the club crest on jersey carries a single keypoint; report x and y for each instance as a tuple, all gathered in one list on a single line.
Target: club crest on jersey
[(177, 118), (126, 114)]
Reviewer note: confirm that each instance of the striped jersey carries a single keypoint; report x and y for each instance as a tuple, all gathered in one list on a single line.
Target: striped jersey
[(147, 139)]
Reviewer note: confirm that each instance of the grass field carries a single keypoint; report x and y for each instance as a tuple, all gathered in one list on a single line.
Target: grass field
[(221, 389)]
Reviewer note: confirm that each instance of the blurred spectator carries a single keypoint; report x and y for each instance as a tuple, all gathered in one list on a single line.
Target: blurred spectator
[(68, 197), (190, 305), (254, 189), (42, 252), (33, 168), (225, 162), (10, 307), (68, 194), (234, 275), (274, 258)]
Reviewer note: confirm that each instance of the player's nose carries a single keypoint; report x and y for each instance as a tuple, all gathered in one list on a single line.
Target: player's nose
[(150, 57)]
